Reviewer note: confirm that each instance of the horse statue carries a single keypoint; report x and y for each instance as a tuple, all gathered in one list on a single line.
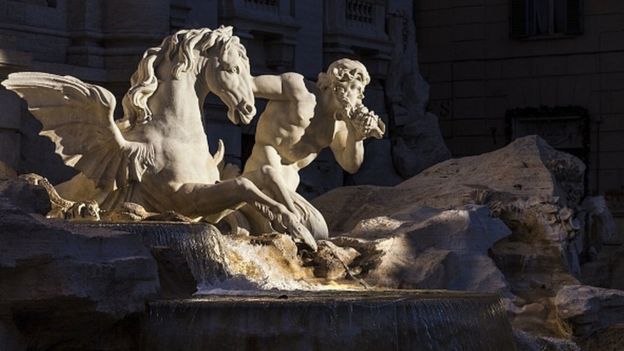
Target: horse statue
[(157, 155)]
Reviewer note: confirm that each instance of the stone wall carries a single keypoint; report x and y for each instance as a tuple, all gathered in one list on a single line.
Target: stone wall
[(477, 73)]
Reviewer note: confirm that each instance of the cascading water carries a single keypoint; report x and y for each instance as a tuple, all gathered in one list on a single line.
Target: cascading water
[(223, 263), (278, 320), (376, 320), (201, 245)]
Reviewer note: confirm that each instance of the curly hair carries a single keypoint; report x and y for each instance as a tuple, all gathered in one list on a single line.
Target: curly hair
[(341, 72)]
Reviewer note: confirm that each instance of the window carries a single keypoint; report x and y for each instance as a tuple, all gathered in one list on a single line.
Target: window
[(544, 18)]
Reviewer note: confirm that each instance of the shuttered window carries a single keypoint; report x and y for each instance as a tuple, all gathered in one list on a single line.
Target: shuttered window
[(543, 18)]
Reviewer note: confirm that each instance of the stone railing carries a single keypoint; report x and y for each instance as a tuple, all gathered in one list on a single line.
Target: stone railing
[(263, 5), (360, 11)]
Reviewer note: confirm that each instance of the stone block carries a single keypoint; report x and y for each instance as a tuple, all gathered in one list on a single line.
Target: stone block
[(495, 109), (497, 87), (435, 53), (469, 88), (434, 18), (597, 24), (547, 66), (468, 32), (432, 36), (566, 88), (493, 70), (580, 64), (469, 70), (496, 12), (436, 72), (547, 91), (497, 37), (468, 15), (610, 141), (612, 40), (469, 50), (610, 80), (470, 127), (469, 108), (612, 123), (521, 67), (439, 91)]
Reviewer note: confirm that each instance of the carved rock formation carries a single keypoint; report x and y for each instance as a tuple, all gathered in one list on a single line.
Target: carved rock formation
[(64, 286), (550, 230), (585, 310)]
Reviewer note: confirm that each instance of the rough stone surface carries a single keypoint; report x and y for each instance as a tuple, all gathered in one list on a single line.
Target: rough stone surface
[(611, 338), (425, 248), (331, 261), (28, 197), (536, 191), (529, 342), (418, 146), (586, 309), (68, 287)]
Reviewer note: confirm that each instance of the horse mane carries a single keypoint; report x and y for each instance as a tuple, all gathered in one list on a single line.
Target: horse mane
[(179, 48)]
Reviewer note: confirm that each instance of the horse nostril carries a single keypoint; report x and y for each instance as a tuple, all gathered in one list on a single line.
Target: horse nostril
[(248, 108)]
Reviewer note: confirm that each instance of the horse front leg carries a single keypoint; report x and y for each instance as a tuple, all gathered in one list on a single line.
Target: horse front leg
[(195, 199)]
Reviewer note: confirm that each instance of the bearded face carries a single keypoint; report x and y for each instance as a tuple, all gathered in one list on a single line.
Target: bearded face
[(364, 123), (349, 96)]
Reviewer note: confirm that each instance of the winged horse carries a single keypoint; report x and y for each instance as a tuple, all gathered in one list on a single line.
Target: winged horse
[(157, 155)]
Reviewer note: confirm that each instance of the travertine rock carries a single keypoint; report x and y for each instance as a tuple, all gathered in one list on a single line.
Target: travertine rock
[(332, 261), (417, 142), (418, 146), (426, 248), (611, 338), (536, 191), (529, 342), (586, 309), (64, 285), (29, 197)]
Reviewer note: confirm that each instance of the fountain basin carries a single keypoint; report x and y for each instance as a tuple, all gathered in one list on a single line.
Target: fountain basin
[(336, 320)]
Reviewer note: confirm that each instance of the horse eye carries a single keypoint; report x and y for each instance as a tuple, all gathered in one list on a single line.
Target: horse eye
[(232, 69)]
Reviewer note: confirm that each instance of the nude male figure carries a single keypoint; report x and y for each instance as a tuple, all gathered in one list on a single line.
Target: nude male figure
[(302, 118)]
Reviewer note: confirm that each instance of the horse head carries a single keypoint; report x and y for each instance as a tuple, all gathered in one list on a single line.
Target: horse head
[(215, 57), (228, 76)]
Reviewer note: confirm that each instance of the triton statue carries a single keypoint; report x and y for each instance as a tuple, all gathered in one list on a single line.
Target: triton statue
[(302, 118)]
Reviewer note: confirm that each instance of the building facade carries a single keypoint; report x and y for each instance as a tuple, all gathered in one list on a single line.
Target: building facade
[(499, 69)]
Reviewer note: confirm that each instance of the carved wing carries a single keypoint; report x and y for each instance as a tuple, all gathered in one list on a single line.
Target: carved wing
[(78, 118)]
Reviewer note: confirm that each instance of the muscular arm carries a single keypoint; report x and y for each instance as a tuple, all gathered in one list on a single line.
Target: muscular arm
[(287, 86), (348, 151)]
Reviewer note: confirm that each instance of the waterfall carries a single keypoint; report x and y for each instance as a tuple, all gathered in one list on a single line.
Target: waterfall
[(379, 320)]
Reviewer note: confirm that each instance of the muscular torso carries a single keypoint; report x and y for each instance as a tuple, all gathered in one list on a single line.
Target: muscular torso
[(298, 130)]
